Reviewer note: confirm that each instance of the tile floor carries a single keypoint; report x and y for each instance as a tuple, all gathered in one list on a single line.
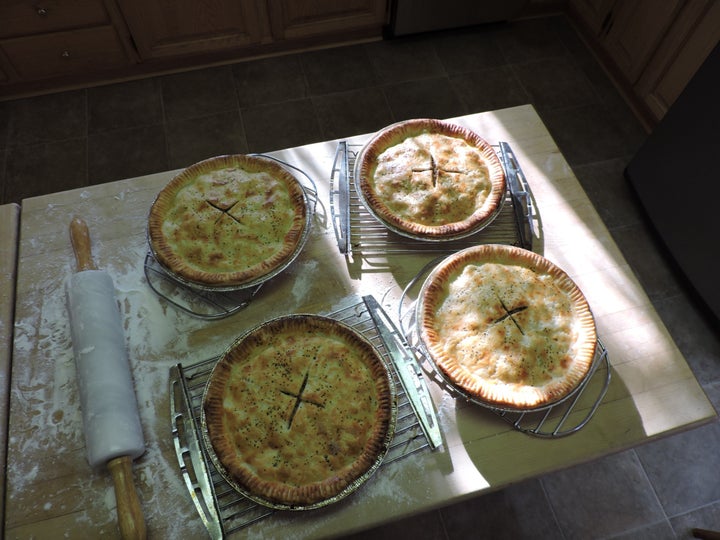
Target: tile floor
[(77, 138)]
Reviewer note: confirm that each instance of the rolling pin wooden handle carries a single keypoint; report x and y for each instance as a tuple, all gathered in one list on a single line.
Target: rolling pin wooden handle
[(130, 515), (80, 238)]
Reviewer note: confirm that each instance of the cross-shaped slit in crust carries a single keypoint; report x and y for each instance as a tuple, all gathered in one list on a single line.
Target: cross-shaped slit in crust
[(436, 170), (299, 399), (225, 211), (510, 314)]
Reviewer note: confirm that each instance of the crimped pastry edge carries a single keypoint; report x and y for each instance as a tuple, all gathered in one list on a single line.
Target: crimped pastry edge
[(504, 396), (396, 133), (176, 265), (314, 495)]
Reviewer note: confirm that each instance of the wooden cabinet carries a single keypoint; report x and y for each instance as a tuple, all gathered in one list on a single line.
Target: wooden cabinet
[(291, 19), (634, 30), (53, 38), (166, 28), (162, 28), (682, 52), (23, 17), (64, 53), (48, 45), (628, 31), (652, 49)]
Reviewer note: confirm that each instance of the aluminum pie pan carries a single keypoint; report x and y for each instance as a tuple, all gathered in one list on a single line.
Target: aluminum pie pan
[(417, 236), (453, 387), (350, 488), (253, 282)]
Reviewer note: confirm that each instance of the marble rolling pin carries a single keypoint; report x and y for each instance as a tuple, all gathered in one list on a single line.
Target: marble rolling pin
[(113, 433)]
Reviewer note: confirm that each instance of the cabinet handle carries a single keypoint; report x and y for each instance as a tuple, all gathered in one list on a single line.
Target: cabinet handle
[(42, 12), (65, 54)]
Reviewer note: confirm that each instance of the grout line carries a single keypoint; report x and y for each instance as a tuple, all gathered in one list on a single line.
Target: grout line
[(238, 109), (706, 506), (443, 525), (87, 138), (309, 96), (653, 491), (548, 501), (640, 529), (163, 117), (3, 176)]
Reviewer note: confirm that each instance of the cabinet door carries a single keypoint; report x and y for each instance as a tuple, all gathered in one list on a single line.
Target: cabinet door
[(31, 17), (634, 31), (162, 28), (88, 50), (694, 35), (293, 19)]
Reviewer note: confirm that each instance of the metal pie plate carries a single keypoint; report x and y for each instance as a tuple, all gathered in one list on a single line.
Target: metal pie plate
[(455, 388), (348, 490), (452, 387), (414, 236), (254, 282)]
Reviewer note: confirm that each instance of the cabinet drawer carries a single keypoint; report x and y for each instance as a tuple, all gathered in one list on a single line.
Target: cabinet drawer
[(28, 17), (171, 28), (60, 53), (292, 19)]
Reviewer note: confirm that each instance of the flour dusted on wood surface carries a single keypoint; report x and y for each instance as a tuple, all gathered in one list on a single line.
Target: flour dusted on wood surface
[(47, 428)]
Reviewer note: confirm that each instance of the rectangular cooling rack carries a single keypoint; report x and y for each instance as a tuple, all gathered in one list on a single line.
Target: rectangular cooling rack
[(358, 232), (222, 509)]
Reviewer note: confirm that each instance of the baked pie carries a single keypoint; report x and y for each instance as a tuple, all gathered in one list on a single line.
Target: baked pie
[(299, 411), (228, 221), (430, 179), (506, 326)]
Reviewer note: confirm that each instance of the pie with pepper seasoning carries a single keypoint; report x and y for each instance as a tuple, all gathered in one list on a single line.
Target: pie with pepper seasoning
[(430, 179), (228, 221), (506, 326), (299, 411)]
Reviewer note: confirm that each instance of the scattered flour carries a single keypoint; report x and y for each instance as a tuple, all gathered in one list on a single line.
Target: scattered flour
[(47, 413), (305, 274), (157, 337)]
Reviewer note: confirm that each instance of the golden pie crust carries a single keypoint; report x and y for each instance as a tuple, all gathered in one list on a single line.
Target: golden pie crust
[(430, 179), (228, 221), (506, 326), (299, 410)]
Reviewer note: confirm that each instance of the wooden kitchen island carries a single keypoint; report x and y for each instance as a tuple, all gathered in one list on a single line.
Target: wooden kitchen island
[(51, 491), (9, 221)]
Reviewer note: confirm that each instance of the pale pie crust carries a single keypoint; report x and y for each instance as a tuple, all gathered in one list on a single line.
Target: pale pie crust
[(228, 221), (430, 179), (506, 326)]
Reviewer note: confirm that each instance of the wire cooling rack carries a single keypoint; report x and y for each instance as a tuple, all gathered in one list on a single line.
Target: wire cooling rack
[(358, 233), (222, 509), (212, 303), (559, 419)]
